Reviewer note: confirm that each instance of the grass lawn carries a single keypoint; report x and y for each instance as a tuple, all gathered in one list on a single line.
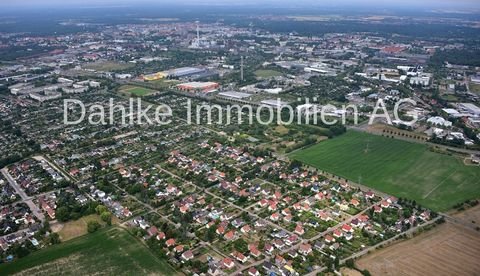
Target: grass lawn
[(450, 98), (77, 228), (73, 229), (267, 73), (111, 251), (282, 130), (136, 90), (163, 83), (474, 87), (396, 167)]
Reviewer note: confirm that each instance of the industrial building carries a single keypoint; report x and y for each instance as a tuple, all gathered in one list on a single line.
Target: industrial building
[(274, 103), (439, 121), (194, 87), (45, 96), (177, 73), (76, 88), (234, 95), (183, 72), (154, 76), (469, 108), (423, 79)]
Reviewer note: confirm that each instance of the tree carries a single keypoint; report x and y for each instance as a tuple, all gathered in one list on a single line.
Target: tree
[(101, 209), (93, 226), (350, 263), (337, 262), (62, 214), (366, 272), (19, 250), (53, 238), (107, 217), (45, 227), (211, 234), (242, 199), (261, 243), (295, 164), (240, 245)]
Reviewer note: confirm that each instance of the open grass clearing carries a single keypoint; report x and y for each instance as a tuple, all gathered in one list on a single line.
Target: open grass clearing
[(109, 66), (267, 73)]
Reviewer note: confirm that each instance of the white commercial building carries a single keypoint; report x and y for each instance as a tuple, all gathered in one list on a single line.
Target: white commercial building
[(423, 80), (469, 108), (234, 95), (308, 109), (439, 121), (274, 103)]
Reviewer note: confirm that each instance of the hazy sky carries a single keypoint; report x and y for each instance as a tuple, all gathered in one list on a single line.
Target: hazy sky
[(430, 4)]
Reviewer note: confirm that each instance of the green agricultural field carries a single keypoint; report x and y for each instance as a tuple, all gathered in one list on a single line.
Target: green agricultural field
[(396, 167), (110, 251), (267, 73)]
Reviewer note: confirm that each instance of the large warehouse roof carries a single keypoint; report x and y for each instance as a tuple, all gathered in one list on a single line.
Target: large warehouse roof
[(233, 94), (197, 85)]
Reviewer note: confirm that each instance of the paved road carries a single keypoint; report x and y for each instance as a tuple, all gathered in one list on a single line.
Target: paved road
[(242, 268), (294, 247), (22, 233), (354, 256), (224, 200), (14, 184), (25, 198), (148, 206), (276, 226), (55, 167)]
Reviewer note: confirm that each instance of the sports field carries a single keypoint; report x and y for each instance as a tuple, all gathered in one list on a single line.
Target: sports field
[(110, 251), (267, 73), (136, 90), (396, 167)]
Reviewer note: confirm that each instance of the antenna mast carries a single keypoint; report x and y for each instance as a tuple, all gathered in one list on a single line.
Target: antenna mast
[(241, 68), (198, 33)]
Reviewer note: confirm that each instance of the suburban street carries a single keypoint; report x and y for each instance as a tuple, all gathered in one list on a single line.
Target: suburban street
[(25, 198)]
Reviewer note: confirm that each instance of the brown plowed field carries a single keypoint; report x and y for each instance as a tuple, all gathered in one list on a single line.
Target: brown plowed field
[(448, 249)]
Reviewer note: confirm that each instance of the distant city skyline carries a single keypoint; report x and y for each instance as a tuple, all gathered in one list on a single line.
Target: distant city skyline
[(429, 4)]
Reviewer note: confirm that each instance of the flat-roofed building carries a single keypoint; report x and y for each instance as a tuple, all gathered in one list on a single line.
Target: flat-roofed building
[(469, 108), (183, 72), (234, 95), (274, 103), (194, 87)]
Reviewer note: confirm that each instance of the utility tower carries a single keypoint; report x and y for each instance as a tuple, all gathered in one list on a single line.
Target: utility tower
[(241, 68), (198, 33)]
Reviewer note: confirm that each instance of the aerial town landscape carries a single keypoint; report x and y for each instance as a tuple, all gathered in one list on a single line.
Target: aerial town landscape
[(240, 138)]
